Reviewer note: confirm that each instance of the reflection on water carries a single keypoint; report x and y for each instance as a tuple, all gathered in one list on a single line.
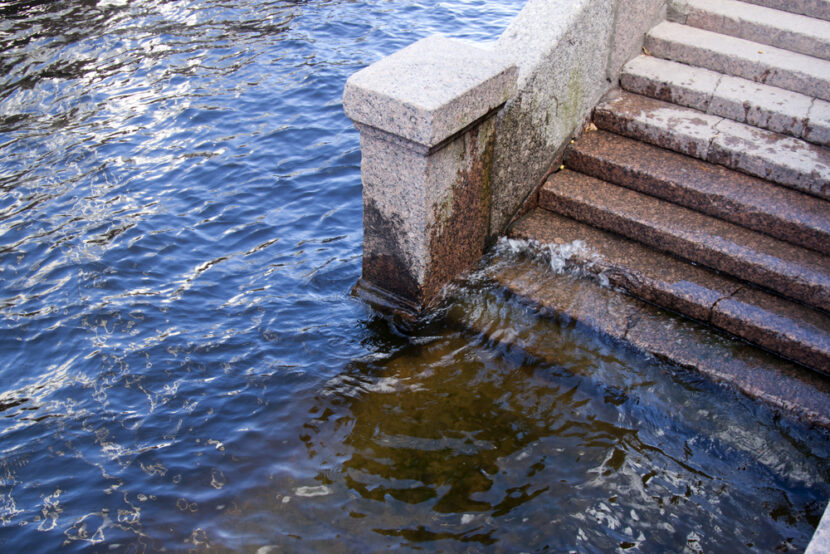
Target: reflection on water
[(183, 368)]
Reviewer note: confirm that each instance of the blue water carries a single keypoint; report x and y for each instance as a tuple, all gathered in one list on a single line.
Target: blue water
[(183, 367)]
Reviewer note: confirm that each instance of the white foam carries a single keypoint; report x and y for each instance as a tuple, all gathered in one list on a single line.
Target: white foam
[(309, 492)]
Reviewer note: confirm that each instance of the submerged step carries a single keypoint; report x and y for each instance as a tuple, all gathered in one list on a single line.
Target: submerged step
[(813, 8), (786, 269), (789, 31), (776, 109), (704, 187), (741, 58), (788, 329), (772, 156), (689, 344)]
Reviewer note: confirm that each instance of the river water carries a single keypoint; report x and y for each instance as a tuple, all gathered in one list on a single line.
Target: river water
[(182, 364)]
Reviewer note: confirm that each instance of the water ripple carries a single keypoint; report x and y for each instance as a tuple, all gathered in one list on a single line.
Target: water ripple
[(180, 227)]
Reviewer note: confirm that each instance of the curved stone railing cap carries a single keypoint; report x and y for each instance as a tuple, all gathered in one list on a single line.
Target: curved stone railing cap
[(431, 90)]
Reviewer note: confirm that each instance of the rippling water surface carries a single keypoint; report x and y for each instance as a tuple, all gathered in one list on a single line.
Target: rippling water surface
[(183, 368)]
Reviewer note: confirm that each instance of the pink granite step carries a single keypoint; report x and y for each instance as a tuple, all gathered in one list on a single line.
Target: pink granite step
[(789, 270), (789, 31), (783, 327), (819, 9), (787, 386), (764, 106), (741, 58), (771, 156), (707, 188)]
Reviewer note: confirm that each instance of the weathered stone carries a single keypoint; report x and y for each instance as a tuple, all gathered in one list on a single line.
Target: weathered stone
[(562, 49), (632, 20), (789, 329), (660, 123), (776, 109), (789, 270), (741, 58), (430, 90), (704, 187), (426, 215), (763, 106), (641, 271), (818, 123), (813, 8), (427, 144), (684, 342), (785, 160), (670, 81), (793, 32)]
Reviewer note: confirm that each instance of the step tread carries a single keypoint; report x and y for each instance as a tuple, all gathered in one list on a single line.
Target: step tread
[(811, 8), (708, 188), (786, 269), (741, 58), (785, 160), (776, 109), (805, 394), (789, 329), (789, 31)]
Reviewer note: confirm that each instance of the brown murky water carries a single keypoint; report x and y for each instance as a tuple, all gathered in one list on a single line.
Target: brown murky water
[(464, 441)]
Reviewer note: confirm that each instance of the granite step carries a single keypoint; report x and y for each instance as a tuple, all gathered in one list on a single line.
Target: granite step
[(793, 32), (764, 106), (785, 160), (686, 343), (813, 8), (780, 326), (788, 270), (741, 58), (707, 188)]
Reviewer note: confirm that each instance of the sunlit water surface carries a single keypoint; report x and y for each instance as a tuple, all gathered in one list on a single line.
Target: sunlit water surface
[(183, 366)]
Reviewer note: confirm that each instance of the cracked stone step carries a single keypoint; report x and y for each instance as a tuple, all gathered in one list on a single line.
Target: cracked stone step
[(793, 32), (785, 160), (741, 58), (780, 326), (776, 109), (791, 271), (704, 187), (686, 343), (812, 8)]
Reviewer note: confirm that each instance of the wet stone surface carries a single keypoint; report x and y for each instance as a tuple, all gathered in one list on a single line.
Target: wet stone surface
[(704, 187)]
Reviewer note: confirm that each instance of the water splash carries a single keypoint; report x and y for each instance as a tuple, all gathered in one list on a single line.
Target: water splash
[(574, 258)]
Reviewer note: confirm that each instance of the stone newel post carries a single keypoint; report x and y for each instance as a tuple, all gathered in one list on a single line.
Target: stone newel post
[(427, 142)]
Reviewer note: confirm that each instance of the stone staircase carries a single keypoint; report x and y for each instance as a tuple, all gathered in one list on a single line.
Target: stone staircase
[(703, 185)]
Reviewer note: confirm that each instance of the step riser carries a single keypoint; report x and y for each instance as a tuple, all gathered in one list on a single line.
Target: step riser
[(796, 33), (812, 8), (727, 317), (714, 191), (692, 291), (741, 58), (686, 344), (789, 285), (734, 98), (783, 160)]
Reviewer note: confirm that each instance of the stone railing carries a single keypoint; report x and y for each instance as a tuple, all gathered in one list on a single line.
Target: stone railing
[(456, 137)]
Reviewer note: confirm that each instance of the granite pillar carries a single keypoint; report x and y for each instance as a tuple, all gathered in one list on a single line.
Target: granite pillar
[(427, 139)]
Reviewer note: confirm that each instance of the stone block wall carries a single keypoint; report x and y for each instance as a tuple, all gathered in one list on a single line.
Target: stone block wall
[(456, 137)]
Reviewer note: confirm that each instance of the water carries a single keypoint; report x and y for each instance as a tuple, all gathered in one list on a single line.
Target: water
[(183, 368)]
